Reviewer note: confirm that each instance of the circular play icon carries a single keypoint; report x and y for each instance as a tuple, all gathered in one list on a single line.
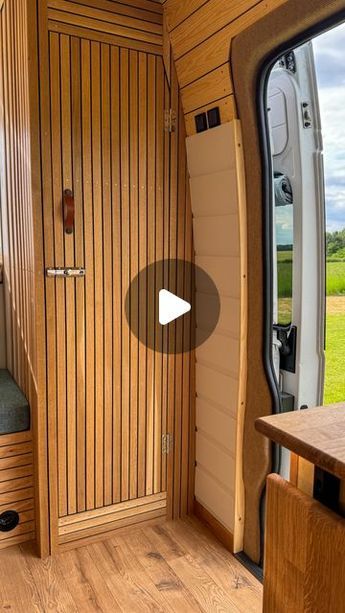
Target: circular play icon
[(172, 306)]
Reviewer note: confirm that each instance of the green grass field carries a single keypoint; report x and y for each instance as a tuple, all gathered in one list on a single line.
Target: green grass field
[(335, 276), (335, 321), (335, 351)]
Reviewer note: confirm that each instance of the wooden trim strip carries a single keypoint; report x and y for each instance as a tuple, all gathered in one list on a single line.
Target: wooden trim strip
[(83, 536), (15, 540), (67, 545), (145, 5), (85, 11), (12, 474), (15, 460), (219, 531), (24, 528), (18, 449), (104, 26), (9, 497), (198, 93), (16, 484), (16, 438), (113, 7), (178, 12), (20, 506), (102, 37), (112, 518), (103, 512), (206, 22)]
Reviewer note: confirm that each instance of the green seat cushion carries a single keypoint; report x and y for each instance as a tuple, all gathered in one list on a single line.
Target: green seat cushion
[(14, 407)]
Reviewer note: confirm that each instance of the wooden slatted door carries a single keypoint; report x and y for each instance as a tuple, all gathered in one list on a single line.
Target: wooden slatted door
[(104, 387)]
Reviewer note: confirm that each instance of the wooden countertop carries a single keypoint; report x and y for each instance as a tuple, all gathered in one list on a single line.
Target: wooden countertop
[(318, 435)]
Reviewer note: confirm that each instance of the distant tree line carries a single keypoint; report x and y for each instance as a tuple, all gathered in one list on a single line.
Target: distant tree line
[(335, 244), (284, 247)]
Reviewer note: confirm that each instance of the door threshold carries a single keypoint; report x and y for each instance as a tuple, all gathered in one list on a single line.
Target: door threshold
[(254, 569)]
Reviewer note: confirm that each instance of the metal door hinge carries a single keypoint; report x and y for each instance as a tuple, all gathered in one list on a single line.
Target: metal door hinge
[(169, 120), (167, 443)]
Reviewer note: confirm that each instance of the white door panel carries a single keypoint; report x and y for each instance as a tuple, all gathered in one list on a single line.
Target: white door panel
[(297, 153)]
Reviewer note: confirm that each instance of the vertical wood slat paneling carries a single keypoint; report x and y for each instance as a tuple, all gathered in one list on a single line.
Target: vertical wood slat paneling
[(125, 273), (17, 252), (179, 368), (142, 379), (116, 278), (79, 289), (104, 135), (110, 101), (134, 269)]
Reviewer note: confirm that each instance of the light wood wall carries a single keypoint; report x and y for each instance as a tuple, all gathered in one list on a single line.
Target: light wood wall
[(103, 92), (200, 33), (16, 457)]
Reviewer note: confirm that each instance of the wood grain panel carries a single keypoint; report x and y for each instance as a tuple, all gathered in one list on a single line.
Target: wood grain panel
[(200, 37), (304, 562), (82, 15), (16, 450), (177, 11), (317, 435), (226, 107), (199, 93), (205, 22), (103, 37), (153, 14)]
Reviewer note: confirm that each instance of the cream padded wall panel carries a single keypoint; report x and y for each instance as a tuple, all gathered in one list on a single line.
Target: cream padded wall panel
[(225, 272), (216, 422), (220, 463), (220, 353), (214, 497), (216, 235), (229, 319), (211, 152), (217, 388), (216, 192), (224, 189)]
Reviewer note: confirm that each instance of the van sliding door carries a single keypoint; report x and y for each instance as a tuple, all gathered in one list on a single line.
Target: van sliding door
[(298, 233)]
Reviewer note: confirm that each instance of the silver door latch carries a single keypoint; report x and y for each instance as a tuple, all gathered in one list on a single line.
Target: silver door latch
[(65, 272)]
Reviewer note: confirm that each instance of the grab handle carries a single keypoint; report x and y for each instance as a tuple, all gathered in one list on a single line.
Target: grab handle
[(68, 211)]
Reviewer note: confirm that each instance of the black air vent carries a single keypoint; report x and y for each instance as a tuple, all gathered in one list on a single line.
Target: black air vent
[(9, 521)]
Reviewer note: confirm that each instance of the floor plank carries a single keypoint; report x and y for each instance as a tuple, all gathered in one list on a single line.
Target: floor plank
[(170, 568)]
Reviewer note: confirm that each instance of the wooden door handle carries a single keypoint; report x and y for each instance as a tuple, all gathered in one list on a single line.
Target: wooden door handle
[(68, 211)]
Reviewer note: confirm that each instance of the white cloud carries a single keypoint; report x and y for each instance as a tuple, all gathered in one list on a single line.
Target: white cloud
[(330, 68)]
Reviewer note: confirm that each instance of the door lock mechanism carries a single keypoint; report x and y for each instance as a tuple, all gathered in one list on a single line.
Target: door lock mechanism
[(66, 272), (287, 343)]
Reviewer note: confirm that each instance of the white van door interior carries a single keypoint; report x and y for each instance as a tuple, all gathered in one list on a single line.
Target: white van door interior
[(298, 233)]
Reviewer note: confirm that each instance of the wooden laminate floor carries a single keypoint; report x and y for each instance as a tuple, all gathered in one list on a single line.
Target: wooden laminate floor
[(174, 567)]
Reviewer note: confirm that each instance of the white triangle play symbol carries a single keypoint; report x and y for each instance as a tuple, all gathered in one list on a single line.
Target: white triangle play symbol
[(171, 307)]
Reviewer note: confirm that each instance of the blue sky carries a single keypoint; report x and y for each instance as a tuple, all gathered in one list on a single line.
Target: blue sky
[(330, 69)]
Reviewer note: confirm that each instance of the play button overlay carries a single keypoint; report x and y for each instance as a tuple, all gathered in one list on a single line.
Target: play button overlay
[(172, 306)]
